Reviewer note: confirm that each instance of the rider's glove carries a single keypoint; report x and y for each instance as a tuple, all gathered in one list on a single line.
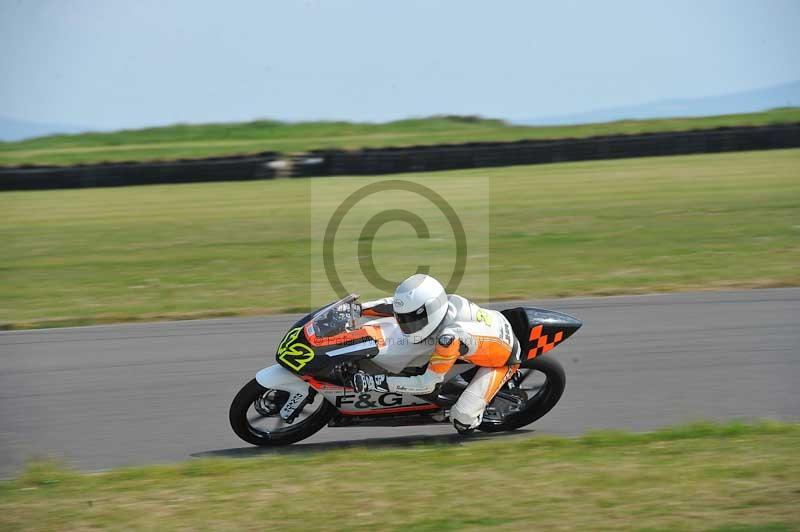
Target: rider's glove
[(364, 382)]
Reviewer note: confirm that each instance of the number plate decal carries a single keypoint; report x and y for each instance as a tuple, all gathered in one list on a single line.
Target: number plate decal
[(292, 353)]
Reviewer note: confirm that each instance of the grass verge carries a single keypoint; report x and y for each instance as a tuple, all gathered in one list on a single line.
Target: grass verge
[(213, 140), (696, 477), (76, 257)]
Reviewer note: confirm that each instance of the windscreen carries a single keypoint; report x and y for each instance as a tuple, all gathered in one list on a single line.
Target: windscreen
[(336, 318)]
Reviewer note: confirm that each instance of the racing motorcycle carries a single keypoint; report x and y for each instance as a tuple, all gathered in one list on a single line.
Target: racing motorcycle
[(310, 386)]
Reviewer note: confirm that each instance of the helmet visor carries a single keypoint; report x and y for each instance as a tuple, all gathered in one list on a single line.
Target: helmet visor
[(411, 322)]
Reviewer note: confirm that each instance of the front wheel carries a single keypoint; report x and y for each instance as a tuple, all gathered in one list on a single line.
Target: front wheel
[(541, 383), (255, 416)]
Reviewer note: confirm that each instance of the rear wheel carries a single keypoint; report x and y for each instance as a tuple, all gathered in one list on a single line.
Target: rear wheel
[(527, 397), (255, 416)]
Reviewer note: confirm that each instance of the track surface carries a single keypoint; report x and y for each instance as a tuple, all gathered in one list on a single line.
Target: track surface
[(131, 394)]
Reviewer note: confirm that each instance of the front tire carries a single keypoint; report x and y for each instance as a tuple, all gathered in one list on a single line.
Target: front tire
[(541, 403), (300, 430)]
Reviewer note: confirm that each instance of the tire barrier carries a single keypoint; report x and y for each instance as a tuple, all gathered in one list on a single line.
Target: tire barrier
[(376, 161), (261, 166), (487, 154)]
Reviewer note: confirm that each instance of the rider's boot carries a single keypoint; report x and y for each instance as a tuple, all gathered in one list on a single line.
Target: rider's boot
[(462, 428)]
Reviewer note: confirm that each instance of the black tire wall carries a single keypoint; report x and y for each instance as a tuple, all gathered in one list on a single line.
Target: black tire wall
[(135, 173), (407, 159), (489, 154)]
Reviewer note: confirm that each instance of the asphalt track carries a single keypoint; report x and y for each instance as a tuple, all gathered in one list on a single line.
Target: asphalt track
[(131, 394)]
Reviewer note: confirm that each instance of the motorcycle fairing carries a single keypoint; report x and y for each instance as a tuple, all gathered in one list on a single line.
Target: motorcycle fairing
[(319, 342), (350, 403), (276, 377), (539, 330), (345, 399), (304, 353)]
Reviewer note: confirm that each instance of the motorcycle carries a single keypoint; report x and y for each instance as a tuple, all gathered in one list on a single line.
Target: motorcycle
[(310, 388)]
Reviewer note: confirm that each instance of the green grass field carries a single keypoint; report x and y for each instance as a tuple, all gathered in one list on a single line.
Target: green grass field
[(193, 141), (733, 478), (221, 249)]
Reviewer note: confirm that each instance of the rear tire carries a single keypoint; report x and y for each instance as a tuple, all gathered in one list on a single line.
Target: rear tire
[(540, 404), (294, 433)]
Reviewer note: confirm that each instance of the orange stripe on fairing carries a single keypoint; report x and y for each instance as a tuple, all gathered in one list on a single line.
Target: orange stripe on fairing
[(391, 410), (372, 313), (320, 385), (337, 339), (536, 332)]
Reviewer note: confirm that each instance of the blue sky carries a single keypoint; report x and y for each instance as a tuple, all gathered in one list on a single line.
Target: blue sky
[(112, 64)]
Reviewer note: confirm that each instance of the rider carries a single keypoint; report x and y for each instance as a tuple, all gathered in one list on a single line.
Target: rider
[(454, 328)]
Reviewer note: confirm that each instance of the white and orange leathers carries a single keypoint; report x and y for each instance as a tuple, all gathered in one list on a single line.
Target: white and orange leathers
[(480, 336)]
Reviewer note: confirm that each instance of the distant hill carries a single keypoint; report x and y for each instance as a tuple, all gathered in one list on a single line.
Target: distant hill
[(12, 129), (777, 96)]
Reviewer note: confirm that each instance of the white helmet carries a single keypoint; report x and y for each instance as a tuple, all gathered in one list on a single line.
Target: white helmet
[(420, 306)]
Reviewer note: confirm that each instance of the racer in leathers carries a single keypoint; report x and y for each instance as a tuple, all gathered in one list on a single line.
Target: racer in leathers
[(455, 328)]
